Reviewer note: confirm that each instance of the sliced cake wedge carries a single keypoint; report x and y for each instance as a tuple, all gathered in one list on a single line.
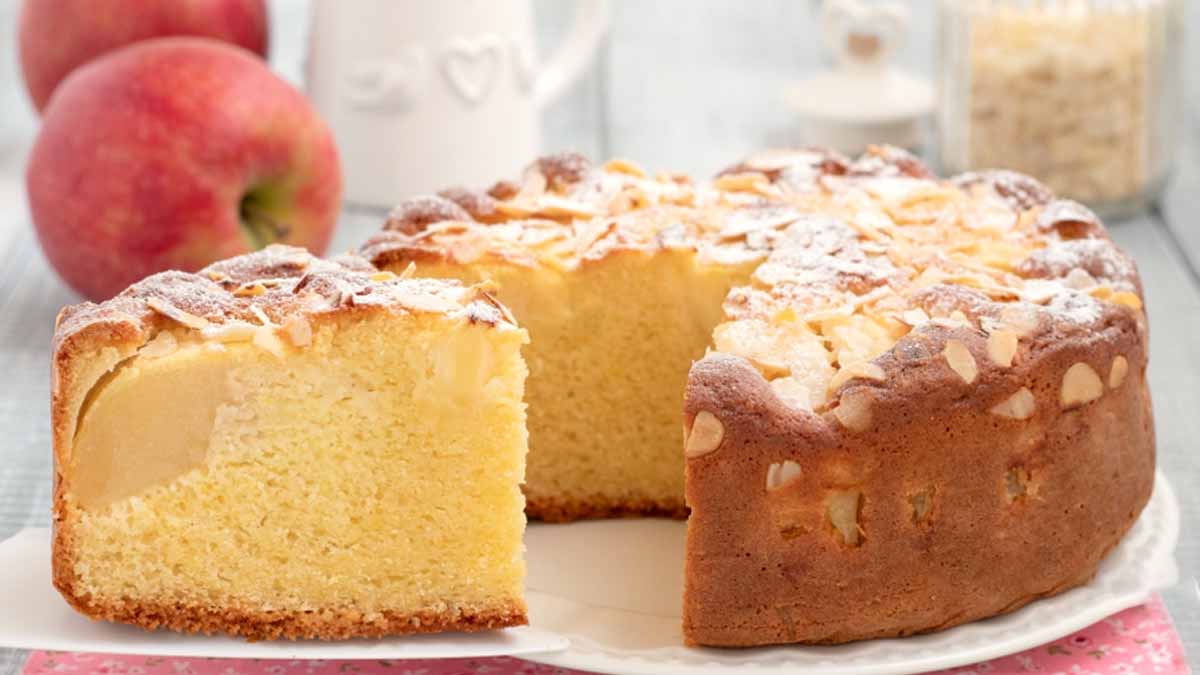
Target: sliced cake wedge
[(282, 446)]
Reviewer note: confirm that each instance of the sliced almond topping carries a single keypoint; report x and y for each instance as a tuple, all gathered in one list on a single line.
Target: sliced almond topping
[(960, 360), (1128, 299), (249, 290), (177, 315), (780, 474), (914, 317), (1080, 385), (1020, 318), (1116, 374), (793, 392), (859, 369), (532, 187), (1002, 347), (743, 182), (854, 411), (1079, 279), (1019, 406), (409, 271), (624, 166), (706, 435)]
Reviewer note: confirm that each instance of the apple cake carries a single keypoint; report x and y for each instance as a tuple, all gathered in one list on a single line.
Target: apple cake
[(274, 447), (908, 402)]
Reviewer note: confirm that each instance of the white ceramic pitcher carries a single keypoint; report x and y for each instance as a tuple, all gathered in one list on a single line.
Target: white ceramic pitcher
[(424, 95)]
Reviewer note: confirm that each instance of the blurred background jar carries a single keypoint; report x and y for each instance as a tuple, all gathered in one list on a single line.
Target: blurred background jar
[(1083, 94)]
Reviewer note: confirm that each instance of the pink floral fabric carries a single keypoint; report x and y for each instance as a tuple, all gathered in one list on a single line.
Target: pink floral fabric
[(1141, 640)]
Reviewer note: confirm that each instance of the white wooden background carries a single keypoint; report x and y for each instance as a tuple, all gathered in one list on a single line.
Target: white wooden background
[(680, 84)]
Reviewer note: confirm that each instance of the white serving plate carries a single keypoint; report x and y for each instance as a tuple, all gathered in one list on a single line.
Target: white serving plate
[(34, 616), (614, 589)]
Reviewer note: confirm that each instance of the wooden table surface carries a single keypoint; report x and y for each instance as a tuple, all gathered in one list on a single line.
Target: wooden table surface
[(650, 115)]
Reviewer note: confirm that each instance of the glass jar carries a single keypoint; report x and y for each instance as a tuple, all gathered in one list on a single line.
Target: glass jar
[(1081, 94)]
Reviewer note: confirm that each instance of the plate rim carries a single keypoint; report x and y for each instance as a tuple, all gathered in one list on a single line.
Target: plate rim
[(517, 641)]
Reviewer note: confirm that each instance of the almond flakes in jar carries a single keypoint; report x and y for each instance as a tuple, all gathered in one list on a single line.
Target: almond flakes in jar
[(1081, 94)]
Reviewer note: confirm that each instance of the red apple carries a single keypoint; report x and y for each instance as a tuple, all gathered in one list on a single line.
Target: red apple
[(172, 153), (57, 36)]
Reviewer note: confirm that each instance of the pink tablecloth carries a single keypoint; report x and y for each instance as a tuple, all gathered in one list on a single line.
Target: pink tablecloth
[(1140, 640)]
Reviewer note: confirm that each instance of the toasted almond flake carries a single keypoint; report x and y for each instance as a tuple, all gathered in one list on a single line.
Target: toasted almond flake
[(1020, 318), (1128, 299), (624, 166), (860, 369), (532, 187), (743, 182), (792, 392), (914, 317), (960, 360), (779, 474), (1079, 279), (551, 206), (409, 271), (705, 436), (1019, 406), (177, 315), (249, 290), (1080, 385), (1002, 347)]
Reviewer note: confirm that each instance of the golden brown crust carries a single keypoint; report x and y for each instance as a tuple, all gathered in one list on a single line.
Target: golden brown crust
[(277, 282), (565, 510), (766, 566), (331, 624)]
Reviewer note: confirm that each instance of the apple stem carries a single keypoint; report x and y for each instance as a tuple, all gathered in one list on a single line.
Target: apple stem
[(260, 226)]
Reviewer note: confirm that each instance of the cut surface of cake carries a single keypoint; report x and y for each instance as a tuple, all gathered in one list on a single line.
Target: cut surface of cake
[(281, 446), (914, 403), (619, 279)]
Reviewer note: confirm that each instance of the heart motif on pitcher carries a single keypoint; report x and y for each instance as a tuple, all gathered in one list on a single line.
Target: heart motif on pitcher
[(472, 66), (393, 86)]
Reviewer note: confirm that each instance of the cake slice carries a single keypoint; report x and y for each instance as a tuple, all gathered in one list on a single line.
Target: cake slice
[(281, 446)]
